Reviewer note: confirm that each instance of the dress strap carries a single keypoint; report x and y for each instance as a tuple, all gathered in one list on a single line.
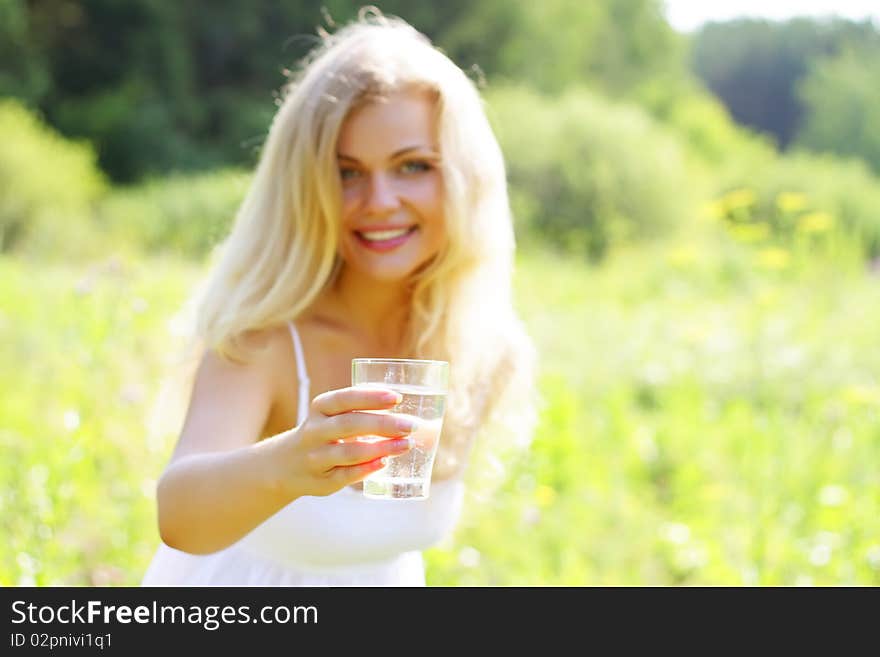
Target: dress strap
[(304, 399)]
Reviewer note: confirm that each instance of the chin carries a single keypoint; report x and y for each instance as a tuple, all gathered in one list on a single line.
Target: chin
[(387, 268), (389, 274)]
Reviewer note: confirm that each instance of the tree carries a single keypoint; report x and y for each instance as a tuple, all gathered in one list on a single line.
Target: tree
[(754, 66), (158, 85), (841, 96), (23, 70)]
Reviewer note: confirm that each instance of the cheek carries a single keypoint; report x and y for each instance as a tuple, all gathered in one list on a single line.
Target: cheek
[(429, 195), (432, 208), (435, 235), (350, 201)]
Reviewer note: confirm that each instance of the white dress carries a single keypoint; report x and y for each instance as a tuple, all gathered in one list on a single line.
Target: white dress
[(343, 539)]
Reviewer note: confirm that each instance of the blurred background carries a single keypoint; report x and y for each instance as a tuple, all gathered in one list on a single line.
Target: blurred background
[(697, 206)]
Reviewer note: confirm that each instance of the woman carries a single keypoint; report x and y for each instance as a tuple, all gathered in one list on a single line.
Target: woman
[(377, 225)]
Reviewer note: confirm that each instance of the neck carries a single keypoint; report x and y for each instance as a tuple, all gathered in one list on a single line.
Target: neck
[(377, 311)]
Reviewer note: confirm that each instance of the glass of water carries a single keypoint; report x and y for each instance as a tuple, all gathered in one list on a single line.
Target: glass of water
[(423, 384)]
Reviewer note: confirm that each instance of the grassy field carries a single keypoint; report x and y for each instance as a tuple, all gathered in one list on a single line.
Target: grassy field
[(709, 418)]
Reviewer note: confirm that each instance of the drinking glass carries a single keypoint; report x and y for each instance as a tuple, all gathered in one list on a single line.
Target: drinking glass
[(423, 385)]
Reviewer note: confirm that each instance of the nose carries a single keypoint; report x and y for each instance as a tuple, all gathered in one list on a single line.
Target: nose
[(382, 195)]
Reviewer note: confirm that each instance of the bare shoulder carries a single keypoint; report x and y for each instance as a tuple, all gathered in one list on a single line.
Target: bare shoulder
[(232, 397), (263, 344), (254, 355)]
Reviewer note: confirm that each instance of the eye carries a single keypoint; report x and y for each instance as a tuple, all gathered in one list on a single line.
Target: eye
[(416, 166), (348, 173)]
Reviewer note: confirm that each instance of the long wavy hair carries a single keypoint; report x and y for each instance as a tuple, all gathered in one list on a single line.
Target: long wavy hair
[(281, 253)]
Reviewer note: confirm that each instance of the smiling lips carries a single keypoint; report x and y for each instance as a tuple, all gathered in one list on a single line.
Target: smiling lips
[(384, 239)]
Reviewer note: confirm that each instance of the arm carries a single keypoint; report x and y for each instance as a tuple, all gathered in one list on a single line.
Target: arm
[(221, 482)]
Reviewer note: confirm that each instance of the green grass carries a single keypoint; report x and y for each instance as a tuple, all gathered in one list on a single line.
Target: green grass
[(82, 349), (706, 421)]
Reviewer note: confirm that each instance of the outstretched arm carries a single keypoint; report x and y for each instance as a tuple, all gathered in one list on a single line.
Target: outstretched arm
[(222, 481)]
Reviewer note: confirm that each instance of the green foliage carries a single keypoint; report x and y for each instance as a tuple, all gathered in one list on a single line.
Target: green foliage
[(48, 186), (818, 202), (135, 134), (23, 71), (754, 66), (586, 173), (710, 379), (612, 46), (87, 344), (704, 125), (184, 214), (698, 428), (55, 203), (161, 87), (841, 95)]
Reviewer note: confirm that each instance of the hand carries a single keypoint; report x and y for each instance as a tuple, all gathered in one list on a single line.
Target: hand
[(321, 455)]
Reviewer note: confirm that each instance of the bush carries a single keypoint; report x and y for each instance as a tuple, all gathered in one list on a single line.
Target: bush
[(712, 138), (48, 186), (585, 173), (808, 199), (183, 213), (841, 96)]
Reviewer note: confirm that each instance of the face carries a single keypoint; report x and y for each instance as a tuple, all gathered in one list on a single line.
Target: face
[(392, 209)]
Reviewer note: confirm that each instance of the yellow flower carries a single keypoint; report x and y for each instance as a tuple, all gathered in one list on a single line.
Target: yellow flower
[(749, 233), (697, 333), (683, 255), (862, 395), (767, 298), (773, 258), (544, 495), (816, 222), (791, 202), (739, 198), (713, 210)]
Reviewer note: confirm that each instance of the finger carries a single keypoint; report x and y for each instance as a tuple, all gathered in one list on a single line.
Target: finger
[(347, 475), (356, 453), (355, 398), (354, 424)]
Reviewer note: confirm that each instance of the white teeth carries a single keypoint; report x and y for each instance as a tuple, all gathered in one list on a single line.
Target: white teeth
[(381, 235)]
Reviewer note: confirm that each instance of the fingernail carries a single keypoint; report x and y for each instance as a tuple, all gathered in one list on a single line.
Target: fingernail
[(392, 397), (407, 424), (405, 443)]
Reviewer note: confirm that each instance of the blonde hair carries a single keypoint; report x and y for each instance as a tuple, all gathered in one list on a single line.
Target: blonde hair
[(282, 250)]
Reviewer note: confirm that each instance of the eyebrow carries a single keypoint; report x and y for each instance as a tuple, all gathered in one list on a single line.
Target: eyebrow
[(395, 154)]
